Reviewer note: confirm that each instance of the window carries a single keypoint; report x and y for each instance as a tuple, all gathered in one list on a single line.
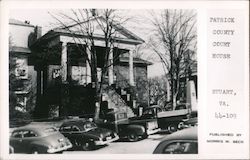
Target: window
[(149, 111), (21, 101), (21, 70), (65, 128), (181, 148), (17, 134), (27, 134), (75, 128), (56, 73), (180, 107), (89, 126), (50, 130), (79, 74), (124, 54)]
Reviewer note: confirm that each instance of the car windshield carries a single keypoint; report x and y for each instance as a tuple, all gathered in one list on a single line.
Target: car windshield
[(89, 126), (50, 130), (181, 148), (180, 107)]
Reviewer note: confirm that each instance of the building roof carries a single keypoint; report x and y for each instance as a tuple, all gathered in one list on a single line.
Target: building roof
[(117, 26), (131, 38), (135, 60), (21, 23), (20, 49)]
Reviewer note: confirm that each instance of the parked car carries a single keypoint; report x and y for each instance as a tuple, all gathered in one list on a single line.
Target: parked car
[(188, 123), (38, 139), (191, 121), (151, 112), (11, 149), (180, 142), (133, 129), (85, 134)]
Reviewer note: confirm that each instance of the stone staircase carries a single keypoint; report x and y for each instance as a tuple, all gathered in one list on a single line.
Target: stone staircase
[(118, 100)]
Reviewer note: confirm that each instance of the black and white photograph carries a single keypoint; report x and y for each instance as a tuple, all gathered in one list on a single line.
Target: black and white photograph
[(130, 80), (103, 81)]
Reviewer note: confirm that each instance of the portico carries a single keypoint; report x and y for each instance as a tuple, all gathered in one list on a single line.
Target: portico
[(125, 46), (66, 67)]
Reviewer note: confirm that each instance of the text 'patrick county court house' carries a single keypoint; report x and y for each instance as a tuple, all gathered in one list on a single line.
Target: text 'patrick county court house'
[(39, 62)]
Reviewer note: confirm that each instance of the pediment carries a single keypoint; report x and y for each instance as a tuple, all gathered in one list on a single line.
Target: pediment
[(96, 25)]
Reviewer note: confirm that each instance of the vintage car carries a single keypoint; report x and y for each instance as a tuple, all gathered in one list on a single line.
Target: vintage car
[(38, 139), (191, 121), (85, 135), (188, 123), (11, 149), (180, 142), (132, 129), (168, 120)]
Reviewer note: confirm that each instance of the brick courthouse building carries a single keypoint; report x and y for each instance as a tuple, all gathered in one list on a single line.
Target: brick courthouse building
[(53, 61)]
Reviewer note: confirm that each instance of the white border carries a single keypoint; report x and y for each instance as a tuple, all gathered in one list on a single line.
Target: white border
[(201, 7)]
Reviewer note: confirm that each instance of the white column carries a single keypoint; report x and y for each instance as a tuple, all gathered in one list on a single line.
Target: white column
[(111, 67), (191, 95), (64, 63), (41, 82), (131, 70), (88, 69)]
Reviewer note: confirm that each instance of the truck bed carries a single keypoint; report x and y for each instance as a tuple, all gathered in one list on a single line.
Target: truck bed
[(172, 113)]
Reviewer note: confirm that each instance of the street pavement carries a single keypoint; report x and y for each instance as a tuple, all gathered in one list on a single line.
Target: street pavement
[(145, 146)]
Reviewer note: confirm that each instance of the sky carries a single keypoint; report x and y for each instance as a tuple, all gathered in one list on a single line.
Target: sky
[(139, 24)]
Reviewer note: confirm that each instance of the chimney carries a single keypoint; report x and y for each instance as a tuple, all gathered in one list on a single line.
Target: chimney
[(93, 12), (38, 32), (27, 22), (34, 35)]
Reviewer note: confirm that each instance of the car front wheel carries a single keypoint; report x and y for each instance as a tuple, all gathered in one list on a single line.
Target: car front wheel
[(133, 137), (145, 136), (86, 146), (172, 128), (77, 144), (34, 151)]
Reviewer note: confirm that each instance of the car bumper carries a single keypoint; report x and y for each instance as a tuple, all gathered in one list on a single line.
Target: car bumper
[(107, 141), (149, 132), (54, 150)]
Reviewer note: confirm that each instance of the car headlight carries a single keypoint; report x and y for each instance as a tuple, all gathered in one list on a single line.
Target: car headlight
[(68, 142), (53, 147), (50, 149), (50, 146), (101, 136)]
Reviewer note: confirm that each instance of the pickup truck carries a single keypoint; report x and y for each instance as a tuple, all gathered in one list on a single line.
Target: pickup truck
[(167, 120), (132, 129)]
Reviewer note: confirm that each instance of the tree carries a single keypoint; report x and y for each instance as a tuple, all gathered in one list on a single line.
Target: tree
[(158, 91), (86, 23), (174, 42)]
